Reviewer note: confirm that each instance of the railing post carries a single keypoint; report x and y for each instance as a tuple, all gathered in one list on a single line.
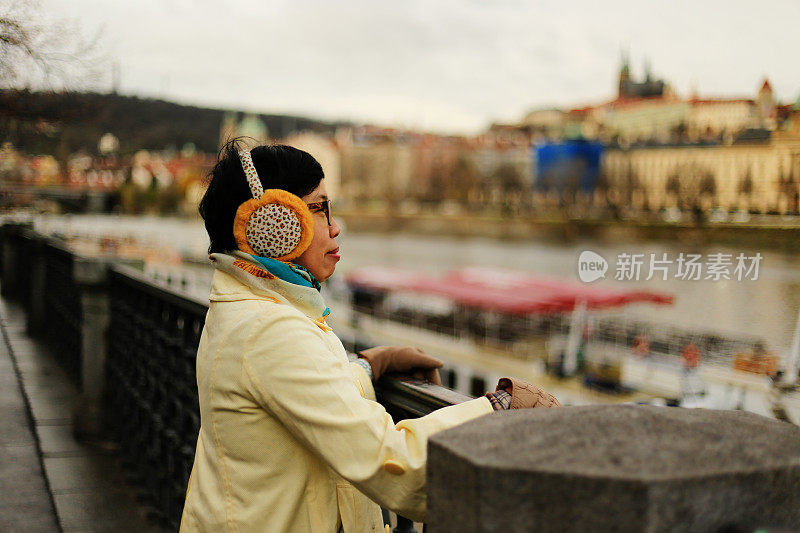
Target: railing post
[(91, 277), (35, 320), (12, 259), (404, 525), (7, 261)]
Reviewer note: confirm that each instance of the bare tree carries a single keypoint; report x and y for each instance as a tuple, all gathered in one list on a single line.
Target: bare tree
[(45, 54), (462, 181), (787, 190), (746, 188), (673, 185), (691, 183), (507, 182), (629, 185)]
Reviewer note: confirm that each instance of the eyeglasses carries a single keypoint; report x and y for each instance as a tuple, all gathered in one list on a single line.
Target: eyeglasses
[(324, 206)]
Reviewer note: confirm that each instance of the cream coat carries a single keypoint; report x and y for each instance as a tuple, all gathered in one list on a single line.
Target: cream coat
[(291, 439)]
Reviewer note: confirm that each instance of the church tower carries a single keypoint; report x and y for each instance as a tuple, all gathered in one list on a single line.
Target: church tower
[(766, 106), (624, 77)]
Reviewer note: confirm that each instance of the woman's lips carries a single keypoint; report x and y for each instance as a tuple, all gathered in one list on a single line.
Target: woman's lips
[(334, 254)]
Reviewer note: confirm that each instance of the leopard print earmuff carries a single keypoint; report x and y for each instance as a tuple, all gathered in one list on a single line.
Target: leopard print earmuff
[(274, 223)]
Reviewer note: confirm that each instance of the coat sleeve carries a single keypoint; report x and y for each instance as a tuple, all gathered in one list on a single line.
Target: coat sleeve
[(291, 372)]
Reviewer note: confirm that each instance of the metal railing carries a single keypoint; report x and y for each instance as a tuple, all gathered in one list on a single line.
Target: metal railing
[(62, 317), (38, 273), (150, 331), (153, 337)]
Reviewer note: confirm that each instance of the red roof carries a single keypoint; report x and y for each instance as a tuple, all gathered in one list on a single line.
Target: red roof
[(624, 102), (766, 86), (500, 290), (721, 101), (582, 111)]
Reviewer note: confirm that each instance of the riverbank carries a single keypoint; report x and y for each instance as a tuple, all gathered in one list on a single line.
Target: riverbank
[(776, 234)]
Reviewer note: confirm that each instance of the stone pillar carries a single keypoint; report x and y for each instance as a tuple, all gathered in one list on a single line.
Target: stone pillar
[(615, 468), (91, 276), (95, 202), (12, 258)]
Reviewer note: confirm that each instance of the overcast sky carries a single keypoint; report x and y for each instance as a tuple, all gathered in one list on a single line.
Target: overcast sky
[(440, 65)]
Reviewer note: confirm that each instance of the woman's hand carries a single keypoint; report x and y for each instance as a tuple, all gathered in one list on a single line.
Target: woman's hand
[(526, 396), (384, 359)]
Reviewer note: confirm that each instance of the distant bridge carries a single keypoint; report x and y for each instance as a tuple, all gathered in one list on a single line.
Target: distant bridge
[(68, 198)]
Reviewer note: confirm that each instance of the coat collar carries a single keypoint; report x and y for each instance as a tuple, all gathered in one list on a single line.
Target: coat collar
[(239, 277)]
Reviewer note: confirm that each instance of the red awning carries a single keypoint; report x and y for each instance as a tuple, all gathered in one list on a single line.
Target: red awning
[(503, 291)]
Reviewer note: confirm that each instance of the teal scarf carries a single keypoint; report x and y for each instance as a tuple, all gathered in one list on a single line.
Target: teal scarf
[(288, 272)]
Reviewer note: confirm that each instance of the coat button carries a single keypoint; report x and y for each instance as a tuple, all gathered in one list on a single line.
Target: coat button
[(393, 467)]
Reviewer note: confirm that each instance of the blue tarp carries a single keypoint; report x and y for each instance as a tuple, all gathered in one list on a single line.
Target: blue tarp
[(567, 165)]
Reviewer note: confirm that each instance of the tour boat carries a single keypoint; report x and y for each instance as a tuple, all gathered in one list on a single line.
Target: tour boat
[(570, 338)]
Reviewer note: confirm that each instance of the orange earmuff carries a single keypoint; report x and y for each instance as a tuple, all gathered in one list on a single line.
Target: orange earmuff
[(274, 223)]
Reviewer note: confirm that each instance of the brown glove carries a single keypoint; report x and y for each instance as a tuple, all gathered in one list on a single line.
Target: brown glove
[(526, 396), (384, 359)]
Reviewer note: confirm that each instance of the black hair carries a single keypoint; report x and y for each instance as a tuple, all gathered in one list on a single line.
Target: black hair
[(278, 166)]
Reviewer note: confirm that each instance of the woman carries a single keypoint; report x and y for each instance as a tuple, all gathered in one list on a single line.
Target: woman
[(291, 438)]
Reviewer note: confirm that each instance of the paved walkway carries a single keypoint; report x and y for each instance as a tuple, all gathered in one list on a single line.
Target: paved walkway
[(48, 480)]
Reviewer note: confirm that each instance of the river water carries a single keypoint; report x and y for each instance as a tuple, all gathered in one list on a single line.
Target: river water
[(766, 307)]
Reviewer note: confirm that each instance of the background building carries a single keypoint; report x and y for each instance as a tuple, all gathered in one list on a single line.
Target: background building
[(755, 175)]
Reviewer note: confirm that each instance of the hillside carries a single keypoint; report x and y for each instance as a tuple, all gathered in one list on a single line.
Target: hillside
[(61, 123)]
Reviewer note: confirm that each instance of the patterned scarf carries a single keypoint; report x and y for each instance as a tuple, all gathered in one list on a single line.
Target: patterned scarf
[(291, 281)]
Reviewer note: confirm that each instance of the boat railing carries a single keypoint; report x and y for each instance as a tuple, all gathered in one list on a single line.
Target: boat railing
[(520, 347), (623, 332)]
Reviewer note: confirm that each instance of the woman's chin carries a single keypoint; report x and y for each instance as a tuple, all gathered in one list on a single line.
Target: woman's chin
[(325, 274)]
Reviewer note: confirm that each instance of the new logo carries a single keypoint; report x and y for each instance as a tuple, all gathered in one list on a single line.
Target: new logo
[(591, 266)]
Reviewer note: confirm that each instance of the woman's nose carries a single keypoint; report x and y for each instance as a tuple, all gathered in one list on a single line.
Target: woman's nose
[(335, 229)]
